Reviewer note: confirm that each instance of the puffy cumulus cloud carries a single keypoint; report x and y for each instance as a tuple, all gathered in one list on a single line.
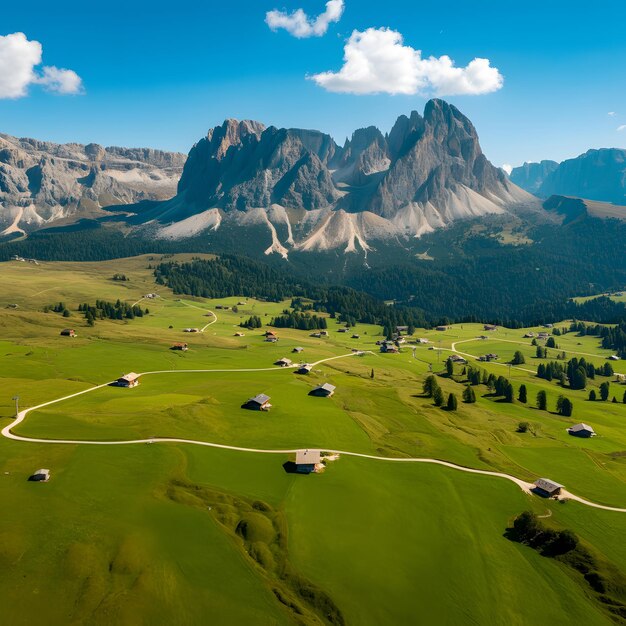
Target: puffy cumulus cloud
[(19, 61), (60, 80), (377, 61), (621, 129), (300, 25), (611, 113)]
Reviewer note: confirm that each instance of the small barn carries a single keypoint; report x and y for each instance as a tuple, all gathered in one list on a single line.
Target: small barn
[(388, 347), (307, 461), (490, 327), (180, 346), (581, 430), (304, 369), (68, 332), (258, 403), (128, 380), (316, 335), (356, 336), (342, 330), (40, 476), (284, 362), (547, 487), (441, 328), (323, 391), (239, 334), (191, 330), (298, 349)]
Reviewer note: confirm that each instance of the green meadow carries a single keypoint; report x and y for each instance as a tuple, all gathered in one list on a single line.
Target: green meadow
[(179, 533)]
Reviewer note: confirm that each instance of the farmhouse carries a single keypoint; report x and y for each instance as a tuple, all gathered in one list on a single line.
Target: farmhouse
[(128, 380), (323, 391), (490, 327), (455, 358), (258, 403), (68, 332), (323, 333), (581, 430), (441, 328), (316, 335), (238, 334), (422, 340), (529, 335), (488, 357), (307, 461), (283, 362), (40, 476), (298, 349), (547, 487), (388, 347), (180, 346), (620, 378), (270, 333), (304, 369), (342, 330), (614, 357), (355, 336), (271, 339), (191, 330)]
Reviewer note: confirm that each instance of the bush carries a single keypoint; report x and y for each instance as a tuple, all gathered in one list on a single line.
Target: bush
[(256, 527), (523, 427)]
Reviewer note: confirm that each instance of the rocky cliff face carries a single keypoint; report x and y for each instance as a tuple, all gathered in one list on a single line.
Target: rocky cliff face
[(427, 172), (530, 176), (596, 175), (43, 182)]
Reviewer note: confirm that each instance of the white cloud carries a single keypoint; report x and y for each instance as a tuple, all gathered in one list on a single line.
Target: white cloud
[(611, 113), (19, 59), (60, 80), (377, 61), (621, 128), (507, 168), (300, 25)]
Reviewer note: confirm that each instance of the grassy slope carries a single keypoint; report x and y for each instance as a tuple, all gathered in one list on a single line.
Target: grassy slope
[(346, 526)]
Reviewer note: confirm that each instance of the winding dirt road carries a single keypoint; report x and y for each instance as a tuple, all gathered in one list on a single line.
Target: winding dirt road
[(7, 432)]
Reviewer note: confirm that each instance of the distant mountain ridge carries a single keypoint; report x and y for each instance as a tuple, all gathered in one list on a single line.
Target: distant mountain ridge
[(44, 183), (595, 175)]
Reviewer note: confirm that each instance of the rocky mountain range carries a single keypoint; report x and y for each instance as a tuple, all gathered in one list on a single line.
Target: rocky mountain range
[(278, 189), (595, 175), (43, 183), (304, 192)]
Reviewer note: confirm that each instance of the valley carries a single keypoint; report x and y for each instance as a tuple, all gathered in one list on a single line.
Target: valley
[(410, 515)]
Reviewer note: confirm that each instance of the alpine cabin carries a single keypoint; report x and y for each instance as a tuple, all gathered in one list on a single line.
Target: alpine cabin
[(258, 403), (307, 461), (128, 380)]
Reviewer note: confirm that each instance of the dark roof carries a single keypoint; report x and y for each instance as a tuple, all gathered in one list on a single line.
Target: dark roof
[(326, 387), (260, 399), (547, 485), (577, 428)]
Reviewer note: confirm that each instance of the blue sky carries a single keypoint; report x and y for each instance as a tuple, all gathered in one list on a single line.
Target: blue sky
[(160, 74)]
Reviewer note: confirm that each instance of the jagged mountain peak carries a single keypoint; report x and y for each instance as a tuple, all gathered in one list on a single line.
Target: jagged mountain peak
[(311, 193)]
